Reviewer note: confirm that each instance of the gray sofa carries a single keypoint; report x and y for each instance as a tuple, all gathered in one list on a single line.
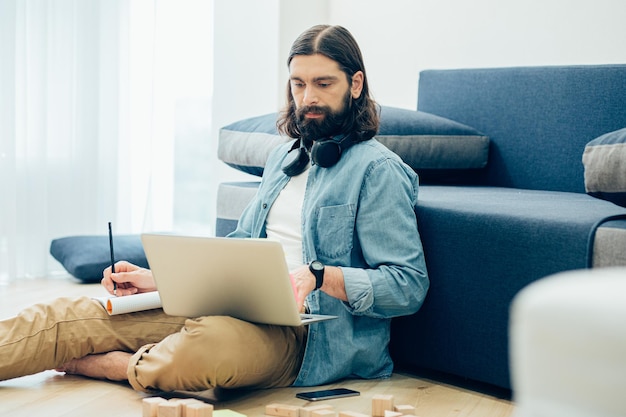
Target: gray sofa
[(506, 198)]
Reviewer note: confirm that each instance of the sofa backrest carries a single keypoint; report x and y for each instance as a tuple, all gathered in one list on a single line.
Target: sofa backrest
[(538, 119)]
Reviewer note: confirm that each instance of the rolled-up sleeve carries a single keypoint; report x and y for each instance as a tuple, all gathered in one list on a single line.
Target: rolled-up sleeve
[(394, 281)]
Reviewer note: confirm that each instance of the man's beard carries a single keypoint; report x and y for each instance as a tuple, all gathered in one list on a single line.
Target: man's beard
[(330, 125)]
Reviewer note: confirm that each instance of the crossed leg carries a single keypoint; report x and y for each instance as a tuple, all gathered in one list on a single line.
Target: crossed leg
[(54, 335), (149, 349)]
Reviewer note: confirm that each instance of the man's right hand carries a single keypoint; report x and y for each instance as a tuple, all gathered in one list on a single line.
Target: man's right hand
[(130, 279)]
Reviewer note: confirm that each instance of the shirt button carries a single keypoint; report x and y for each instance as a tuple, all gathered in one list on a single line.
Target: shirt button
[(264, 206)]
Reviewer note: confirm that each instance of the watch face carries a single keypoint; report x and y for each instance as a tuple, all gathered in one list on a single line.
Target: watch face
[(317, 265)]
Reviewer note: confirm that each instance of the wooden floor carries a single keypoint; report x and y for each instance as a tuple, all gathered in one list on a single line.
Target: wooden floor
[(51, 394)]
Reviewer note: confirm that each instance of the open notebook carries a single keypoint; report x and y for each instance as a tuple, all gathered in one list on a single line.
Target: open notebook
[(243, 278)]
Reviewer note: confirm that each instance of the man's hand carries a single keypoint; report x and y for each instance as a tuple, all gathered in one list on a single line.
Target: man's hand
[(304, 282), (130, 279)]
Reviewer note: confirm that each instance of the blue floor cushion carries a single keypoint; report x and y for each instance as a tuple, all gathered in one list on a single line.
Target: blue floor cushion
[(85, 257)]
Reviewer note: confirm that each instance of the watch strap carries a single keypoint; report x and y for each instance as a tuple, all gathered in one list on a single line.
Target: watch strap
[(317, 269)]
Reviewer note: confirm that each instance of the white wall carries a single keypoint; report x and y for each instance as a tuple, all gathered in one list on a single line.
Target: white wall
[(399, 38)]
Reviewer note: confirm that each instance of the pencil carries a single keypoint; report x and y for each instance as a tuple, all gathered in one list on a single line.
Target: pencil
[(112, 257)]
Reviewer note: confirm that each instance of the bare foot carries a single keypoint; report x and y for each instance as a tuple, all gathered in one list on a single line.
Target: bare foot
[(112, 366)]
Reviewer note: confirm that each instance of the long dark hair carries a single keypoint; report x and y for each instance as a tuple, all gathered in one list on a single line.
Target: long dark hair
[(338, 44)]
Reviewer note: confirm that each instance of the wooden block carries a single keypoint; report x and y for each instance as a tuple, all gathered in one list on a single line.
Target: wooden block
[(389, 413), (352, 414), (282, 410), (405, 409), (198, 409), (184, 402), (150, 406), (307, 411), (381, 403), (170, 409), (327, 412)]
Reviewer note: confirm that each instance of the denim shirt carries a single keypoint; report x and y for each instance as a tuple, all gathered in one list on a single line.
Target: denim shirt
[(358, 215)]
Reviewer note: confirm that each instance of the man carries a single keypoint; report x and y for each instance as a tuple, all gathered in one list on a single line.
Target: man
[(342, 205)]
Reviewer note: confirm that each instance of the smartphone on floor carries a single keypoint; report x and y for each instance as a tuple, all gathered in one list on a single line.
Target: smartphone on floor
[(327, 394)]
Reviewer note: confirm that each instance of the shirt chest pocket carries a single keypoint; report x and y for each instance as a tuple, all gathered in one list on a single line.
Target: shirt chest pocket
[(334, 230)]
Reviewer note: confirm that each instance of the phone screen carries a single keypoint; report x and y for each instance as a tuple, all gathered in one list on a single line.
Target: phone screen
[(327, 394)]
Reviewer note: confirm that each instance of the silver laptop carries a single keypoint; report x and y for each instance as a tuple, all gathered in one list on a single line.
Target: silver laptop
[(207, 276)]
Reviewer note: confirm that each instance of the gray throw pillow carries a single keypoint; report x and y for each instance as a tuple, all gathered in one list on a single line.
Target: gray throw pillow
[(435, 147), (604, 159)]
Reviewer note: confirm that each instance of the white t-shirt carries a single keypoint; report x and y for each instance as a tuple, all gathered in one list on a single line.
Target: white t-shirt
[(284, 221)]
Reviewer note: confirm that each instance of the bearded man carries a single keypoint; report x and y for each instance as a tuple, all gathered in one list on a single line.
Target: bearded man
[(343, 207)]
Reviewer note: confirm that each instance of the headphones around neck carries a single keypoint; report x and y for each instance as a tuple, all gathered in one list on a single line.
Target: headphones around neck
[(324, 152)]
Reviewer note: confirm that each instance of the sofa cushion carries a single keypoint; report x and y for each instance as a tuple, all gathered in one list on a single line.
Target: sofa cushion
[(439, 149), (246, 144), (435, 147), (604, 159), (85, 257)]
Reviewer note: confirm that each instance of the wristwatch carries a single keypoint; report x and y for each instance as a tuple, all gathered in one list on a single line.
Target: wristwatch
[(317, 268)]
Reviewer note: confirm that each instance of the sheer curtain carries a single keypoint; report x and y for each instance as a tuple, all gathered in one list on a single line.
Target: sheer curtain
[(87, 123)]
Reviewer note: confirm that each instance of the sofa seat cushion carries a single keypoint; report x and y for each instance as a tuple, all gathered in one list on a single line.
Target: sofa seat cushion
[(604, 159), (482, 245), (439, 149), (85, 257), (575, 216)]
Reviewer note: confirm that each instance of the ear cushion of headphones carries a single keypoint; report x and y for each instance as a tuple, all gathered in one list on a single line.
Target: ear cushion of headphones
[(326, 153), (295, 162)]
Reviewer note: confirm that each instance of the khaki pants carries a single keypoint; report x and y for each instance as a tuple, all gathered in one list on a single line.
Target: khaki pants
[(172, 353)]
